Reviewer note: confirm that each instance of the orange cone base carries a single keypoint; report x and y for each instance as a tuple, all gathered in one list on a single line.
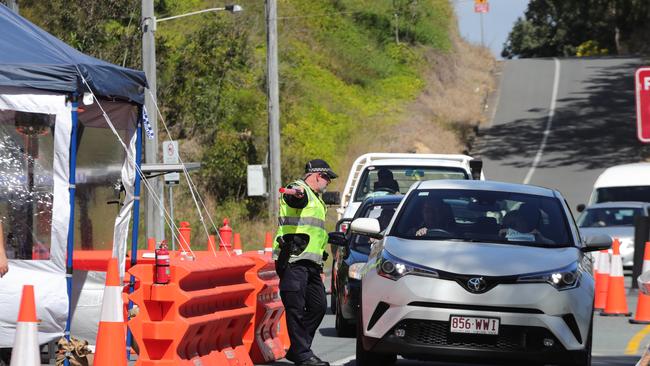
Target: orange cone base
[(602, 313), (111, 344), (634, 321)]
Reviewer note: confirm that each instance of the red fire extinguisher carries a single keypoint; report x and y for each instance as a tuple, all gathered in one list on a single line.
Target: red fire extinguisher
[(162, 264)]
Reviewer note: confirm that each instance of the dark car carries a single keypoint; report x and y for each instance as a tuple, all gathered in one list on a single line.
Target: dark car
[(350, 258)]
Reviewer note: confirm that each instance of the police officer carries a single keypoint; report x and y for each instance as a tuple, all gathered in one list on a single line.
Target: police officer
[(298, 250)]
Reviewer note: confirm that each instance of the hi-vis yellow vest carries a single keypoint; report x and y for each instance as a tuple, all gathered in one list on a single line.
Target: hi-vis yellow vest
[(309, 220)]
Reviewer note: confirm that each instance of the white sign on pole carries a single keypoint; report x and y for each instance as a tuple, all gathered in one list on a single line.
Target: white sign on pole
[(256, 183), (170, 156)]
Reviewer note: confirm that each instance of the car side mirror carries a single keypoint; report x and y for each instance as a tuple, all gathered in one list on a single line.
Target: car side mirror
[(597, 242), (580, 207), (337, 238), (332, 198), (366, 227)]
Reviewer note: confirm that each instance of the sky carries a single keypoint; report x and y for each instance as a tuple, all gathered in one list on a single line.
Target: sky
[(496, 24)]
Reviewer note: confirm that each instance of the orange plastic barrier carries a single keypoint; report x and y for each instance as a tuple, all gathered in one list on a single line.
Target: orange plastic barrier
[(263, 336), (199, 317)]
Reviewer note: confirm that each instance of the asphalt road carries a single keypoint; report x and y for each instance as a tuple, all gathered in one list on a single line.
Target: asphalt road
[(593, 125), (559, 124)]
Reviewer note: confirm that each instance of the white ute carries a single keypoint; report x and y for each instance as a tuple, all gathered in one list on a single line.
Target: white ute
[(405, 169)]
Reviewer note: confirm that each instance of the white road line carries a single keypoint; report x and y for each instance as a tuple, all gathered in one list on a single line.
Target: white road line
[(549, 122), (343, 361)]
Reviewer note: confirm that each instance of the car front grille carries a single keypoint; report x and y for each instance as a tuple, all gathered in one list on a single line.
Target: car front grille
[(510, 338)]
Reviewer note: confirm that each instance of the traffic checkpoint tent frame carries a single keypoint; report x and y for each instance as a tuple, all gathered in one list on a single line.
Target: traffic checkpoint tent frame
[(41, 74)]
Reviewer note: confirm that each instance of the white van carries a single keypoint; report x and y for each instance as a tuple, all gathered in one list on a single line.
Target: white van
[(627, 182)]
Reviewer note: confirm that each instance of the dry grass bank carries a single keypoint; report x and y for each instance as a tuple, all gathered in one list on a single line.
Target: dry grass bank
[(444, 117)]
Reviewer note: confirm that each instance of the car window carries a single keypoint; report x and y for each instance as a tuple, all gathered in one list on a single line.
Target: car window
[(609, 216), (485, 216), (619, 194), (398, 179), (383, 213)]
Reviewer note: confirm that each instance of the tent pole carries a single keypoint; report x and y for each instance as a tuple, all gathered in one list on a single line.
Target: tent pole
[(136, 222), (71, 189)]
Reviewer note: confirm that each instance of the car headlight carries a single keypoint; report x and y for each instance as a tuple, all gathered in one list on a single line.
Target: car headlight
[(355, 270), (394, 268), (562, 279)]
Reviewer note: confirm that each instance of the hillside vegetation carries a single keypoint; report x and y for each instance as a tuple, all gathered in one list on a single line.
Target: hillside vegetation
[(354, 78), (580, 28)]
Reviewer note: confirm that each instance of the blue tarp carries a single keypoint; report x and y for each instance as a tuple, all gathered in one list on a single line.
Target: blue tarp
[(30, 57)]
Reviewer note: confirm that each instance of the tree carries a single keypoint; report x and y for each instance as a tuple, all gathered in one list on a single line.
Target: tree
[(108, 30), (559, 27)]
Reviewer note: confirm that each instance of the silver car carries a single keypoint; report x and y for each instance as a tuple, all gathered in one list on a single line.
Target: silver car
[(615, 219), (477, 270)]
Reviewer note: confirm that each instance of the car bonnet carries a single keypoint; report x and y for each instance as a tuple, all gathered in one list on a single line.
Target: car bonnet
[(486, 259)]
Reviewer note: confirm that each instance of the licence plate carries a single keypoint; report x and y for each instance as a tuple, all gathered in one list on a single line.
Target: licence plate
[(473, 325)]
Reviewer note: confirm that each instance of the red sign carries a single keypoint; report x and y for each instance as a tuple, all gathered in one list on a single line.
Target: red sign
[(481, 6), (643, 103)]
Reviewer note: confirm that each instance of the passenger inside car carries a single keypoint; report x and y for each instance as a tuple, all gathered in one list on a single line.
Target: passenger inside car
[(523, 224)]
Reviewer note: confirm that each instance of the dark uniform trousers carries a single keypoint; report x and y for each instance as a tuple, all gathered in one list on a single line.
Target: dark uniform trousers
[(303, 295)]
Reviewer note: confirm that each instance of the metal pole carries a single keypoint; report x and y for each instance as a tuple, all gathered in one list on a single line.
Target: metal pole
[(171, 213), (136, 222), (273, 106), (71, 189), (188, 14), (154, 216)]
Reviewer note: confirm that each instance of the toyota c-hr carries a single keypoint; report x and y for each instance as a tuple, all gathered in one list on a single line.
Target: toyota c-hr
[(476, 270)]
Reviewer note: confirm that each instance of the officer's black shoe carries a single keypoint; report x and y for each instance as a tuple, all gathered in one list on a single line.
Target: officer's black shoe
[(313, 361)]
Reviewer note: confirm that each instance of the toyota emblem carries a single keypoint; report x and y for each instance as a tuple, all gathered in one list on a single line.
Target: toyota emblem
[(476, 284)]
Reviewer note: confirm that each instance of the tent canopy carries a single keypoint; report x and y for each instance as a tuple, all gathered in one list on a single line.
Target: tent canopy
[(33, 58)]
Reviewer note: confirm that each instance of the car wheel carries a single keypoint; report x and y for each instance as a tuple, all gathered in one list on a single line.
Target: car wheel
[(343, 327), (367, 358), (584, 357)]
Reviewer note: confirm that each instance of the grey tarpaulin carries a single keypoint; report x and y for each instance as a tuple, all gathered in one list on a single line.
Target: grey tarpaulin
[(33, 58)]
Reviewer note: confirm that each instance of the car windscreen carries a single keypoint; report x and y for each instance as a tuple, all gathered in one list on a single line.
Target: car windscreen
[(619, 194), (483, 216), (383, 213), (609, 216), (398, 179)]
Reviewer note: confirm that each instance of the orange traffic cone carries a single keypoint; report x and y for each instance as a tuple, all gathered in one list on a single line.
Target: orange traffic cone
[(616, 302), (602, 280), (237, 244), (596, 256), (111, 336), (642, 315), (26, 351), (211, 244), (151, 244), (268, 244)]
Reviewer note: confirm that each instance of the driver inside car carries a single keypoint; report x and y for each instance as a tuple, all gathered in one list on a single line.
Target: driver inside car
[(436, 216), (385, 181)]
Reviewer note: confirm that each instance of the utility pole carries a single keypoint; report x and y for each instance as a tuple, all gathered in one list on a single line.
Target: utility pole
[(13, 5), (154, 214), (275, 180)]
